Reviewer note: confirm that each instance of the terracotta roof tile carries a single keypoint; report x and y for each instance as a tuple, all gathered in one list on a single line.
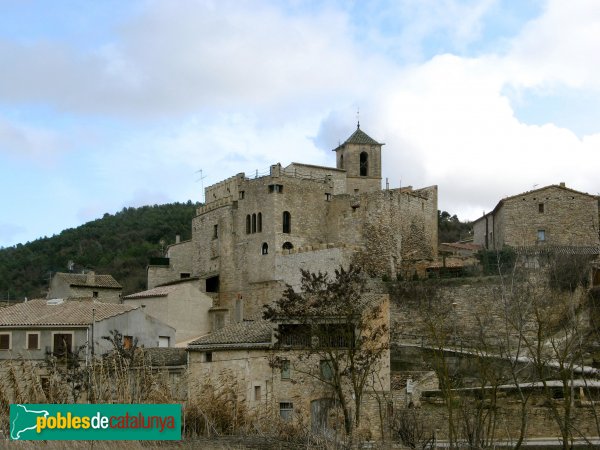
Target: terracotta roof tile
[(82, 280), (245, 334), (42, 312)]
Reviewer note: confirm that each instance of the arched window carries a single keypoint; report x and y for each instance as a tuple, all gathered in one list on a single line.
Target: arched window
[(364, 164), (254, 223), (248, 224), (341, 161), (265, 248), (287, 222), (259, 223), (287, 246)]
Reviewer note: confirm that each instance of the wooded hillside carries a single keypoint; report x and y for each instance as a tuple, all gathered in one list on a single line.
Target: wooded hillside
[(118, 244)]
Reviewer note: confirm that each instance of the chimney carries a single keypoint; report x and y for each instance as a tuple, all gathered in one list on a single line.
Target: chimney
[(90, 277), (177, 238), (562, 184)]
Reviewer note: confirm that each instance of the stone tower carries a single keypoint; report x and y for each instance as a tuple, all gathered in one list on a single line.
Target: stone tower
[(360, 157)]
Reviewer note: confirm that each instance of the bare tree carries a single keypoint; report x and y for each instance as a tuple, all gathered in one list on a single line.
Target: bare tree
[(339, 333)]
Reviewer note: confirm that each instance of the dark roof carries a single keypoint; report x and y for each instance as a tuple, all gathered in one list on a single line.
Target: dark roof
[(42, 312), (248, 334), (558, 250), (88, 280), (165, 356), (557, 186), (359, 137)]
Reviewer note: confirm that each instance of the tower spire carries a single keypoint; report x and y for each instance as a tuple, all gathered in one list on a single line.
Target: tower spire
[(357, 118)]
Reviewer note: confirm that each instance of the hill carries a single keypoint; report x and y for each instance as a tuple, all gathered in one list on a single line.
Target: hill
[(118, 244)]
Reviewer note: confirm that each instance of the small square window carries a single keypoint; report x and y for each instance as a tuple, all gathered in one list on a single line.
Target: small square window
[(286, 411), (257, 394), (5, 341), (215, 231), (285, 369), (242, 195), (327, 197), (127, 342), (541, 235), (208, 357), (95, 294), (33, 341), (326, 370), (540, 208)]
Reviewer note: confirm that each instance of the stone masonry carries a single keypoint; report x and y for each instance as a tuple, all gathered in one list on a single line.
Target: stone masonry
[(253, 234)]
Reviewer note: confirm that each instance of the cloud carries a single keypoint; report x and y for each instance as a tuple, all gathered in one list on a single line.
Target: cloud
[(558, 47), (19, 140)]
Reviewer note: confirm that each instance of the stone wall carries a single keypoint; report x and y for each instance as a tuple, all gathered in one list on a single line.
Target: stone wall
[(567, 218)]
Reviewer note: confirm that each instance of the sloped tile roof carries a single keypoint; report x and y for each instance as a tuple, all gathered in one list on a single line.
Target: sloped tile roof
[(42, 312), (249, 334), (81, 280), (359, 137), (166, 356), (159, 291)]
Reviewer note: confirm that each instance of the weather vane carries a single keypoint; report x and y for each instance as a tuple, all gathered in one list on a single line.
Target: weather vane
[(357, 117)]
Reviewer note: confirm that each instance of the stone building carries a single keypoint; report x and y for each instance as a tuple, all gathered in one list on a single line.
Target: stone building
[(181, 304), (103, 288), (552, 216), (281, 380), (254, 234)]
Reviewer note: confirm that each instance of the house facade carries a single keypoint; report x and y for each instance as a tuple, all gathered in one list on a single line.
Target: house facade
[(103, 288), (552, 216), (180, 304), (274, 374), (38, 328)]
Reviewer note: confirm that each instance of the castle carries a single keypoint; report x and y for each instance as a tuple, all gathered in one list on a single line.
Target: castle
[(254, 234)]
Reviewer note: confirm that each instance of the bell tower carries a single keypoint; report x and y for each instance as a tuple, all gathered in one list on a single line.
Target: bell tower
[(360, 157)]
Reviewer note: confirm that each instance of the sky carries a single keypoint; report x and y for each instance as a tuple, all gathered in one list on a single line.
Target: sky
[(112, 104)]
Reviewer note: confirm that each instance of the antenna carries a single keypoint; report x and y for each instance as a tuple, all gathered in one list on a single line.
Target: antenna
[(202, 177)]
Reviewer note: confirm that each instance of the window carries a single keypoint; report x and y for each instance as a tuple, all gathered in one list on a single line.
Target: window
[(212, 284), (259, 223), (5, 341), (327, 197), (540, 208), (341, 161), (326, 370), (248, 224), (286, 411), (215, 231), (253, 223), (184, 275), (285, 369), (364, 164), (242, 195), (208, 357), (257, 393), (127, 342), (33, 340), (287, 222), (62, 344), (275, 188), (287, 246), (265, 249), (294, 335), (541, 235), (95, 294), (164, 341)]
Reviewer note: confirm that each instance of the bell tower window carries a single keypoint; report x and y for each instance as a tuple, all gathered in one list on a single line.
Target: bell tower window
[(364, 164)]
